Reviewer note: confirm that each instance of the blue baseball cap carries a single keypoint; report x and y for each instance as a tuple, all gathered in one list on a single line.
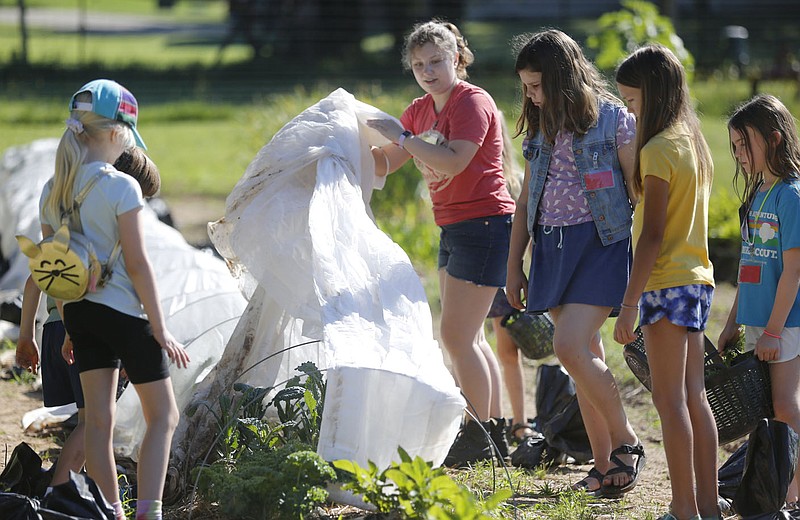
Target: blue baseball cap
[(110, 100)]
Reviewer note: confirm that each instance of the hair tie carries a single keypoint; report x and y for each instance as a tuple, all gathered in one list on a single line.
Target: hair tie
[(74, 125)]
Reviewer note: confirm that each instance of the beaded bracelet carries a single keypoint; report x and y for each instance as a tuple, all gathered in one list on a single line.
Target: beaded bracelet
[(771, 335), (626, 306)]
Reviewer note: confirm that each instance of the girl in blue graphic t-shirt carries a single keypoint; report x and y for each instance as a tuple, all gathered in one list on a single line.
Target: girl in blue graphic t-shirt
[(765, 145)]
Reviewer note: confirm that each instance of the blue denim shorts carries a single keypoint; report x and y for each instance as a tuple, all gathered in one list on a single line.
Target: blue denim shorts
[(476, 250), (686, 306)]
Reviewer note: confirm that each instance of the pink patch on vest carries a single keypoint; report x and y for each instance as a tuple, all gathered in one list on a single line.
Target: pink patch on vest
[(599, 180)]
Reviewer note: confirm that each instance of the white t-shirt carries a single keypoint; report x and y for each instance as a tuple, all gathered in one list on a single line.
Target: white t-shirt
[(114, 193)]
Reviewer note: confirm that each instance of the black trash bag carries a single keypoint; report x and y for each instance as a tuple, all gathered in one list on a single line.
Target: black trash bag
[(533, 452), (769, 468), (14, 506), (81, 497), (558, 414), (730, 473), (23, 473)]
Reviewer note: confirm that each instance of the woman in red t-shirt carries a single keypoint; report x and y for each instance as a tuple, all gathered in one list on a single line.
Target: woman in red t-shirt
[(454, 134)]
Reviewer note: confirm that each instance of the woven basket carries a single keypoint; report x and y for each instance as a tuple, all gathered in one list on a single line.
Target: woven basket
[(739, 394), (532, 333)]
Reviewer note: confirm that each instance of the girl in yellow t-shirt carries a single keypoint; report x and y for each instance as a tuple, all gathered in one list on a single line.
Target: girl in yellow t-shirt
[(672, 280)]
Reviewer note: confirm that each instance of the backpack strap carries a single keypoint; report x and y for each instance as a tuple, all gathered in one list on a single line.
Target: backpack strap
[(109, 266), (73, 216)]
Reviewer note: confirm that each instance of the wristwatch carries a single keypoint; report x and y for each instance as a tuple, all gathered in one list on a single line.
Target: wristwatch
[(402, 139)]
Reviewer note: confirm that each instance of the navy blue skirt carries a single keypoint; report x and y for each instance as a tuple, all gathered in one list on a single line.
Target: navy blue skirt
[(571, 265)]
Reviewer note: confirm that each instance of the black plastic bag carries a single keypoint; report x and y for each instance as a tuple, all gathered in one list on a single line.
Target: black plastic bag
[(558, 414), (14, 506), (81, 497), (730, 473), (769, 468), (23, 473), (533, 452)]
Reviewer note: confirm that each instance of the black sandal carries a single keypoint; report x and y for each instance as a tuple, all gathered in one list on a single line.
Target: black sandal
[(583, 484), (517, 427), (612, 491)]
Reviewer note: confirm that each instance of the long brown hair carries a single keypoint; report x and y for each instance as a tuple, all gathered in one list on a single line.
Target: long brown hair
[(570, 82), (766, 114), (665, 100)]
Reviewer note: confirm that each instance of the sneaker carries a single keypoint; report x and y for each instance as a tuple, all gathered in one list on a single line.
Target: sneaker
[(498, 434), (470, 446)]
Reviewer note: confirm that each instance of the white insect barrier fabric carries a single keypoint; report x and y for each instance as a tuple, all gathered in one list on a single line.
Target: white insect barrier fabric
[(299, 233)]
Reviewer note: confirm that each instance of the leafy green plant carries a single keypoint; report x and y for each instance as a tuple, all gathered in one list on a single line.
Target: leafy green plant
[(241, 416), (300, 405), (415, 489), (286, 482), (620, 32)]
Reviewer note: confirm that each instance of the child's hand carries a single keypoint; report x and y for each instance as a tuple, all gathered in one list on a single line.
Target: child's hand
[(66, 350), (516, 288), (768, 348), (28, 354), (175, 350), (623, 329), (388, 128), (729, 336)]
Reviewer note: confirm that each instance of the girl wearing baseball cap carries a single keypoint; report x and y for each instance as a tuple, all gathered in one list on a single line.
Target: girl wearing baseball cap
[(121, 322)]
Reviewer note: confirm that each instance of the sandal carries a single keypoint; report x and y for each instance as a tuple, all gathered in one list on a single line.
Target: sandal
[(512, 432), (583, 484), (612, 491)]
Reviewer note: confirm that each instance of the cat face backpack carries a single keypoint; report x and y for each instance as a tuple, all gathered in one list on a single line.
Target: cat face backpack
[(65, 265)]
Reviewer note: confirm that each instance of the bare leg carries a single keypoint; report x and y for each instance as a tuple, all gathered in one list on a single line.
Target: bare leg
[(464, 309), (576, 327), (161, 415), (99, 391), (595, 423), (704, 429), (666, 346), (786, 400), (511, 363), (72, 456), (495, 404)]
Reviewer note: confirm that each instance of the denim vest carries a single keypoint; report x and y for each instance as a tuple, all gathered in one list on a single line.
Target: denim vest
[(595, 155)]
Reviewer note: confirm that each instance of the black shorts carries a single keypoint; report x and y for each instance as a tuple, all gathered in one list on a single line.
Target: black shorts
[(102, 337), (61, 383)]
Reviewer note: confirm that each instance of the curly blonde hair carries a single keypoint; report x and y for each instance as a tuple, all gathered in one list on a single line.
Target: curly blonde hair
[(444, 35)]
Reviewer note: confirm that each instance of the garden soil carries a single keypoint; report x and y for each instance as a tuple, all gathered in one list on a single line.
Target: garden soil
[(650, 499)]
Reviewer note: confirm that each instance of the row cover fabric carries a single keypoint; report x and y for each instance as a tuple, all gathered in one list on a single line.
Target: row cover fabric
[(299, 233), (201, 301)]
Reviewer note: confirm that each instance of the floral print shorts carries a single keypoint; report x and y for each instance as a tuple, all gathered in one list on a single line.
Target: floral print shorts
[(686, 306)]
